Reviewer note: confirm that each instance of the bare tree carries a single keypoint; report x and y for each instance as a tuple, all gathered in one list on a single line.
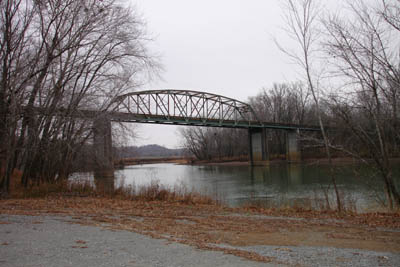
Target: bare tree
[(15, 19), (214, 143), (302, 26), (362, 52), (390, 11), (283, 103), (197, 141), (80, 56)]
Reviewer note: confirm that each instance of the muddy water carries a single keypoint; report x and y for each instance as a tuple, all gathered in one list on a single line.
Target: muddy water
[(276, 185)]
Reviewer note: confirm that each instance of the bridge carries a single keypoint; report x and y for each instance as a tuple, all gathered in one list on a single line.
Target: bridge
[(189, 108)]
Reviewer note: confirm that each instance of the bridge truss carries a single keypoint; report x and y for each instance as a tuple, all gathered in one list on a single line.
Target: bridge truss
[(191, 108), (182, 107)]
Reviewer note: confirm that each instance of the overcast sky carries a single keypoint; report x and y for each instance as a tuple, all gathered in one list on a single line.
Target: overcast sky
[(218, 46)]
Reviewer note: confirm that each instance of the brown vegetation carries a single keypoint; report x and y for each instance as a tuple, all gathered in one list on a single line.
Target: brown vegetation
[(63, 188), (349, 86), (205, 225), (179, 215), (151, 160), (58, 58)]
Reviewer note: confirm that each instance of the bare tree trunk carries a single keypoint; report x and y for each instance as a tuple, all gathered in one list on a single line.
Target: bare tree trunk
[(301, 21), (66, 55), (361, 51)]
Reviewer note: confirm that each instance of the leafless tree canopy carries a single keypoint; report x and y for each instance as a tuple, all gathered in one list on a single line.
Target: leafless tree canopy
[(214, 143), (62, 56), (350, 79), (364, 53)]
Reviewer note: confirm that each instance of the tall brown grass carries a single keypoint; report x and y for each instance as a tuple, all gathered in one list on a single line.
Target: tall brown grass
[(312, 203), (151, 192)]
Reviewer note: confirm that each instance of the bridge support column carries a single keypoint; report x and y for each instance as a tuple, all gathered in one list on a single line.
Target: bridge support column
[(258, 149), (104, 164), (293, 154)]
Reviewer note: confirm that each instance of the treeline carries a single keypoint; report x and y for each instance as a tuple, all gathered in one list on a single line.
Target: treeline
[(283, 103), (289, 103), (214, 143), (154, 150), (350, 86), (58, 57)]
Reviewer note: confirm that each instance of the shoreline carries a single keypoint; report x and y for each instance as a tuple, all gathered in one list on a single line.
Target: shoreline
[(187, 161), (254, 234)]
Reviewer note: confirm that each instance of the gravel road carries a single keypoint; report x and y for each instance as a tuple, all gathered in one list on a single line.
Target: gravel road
[(52, 241), (55, 241)]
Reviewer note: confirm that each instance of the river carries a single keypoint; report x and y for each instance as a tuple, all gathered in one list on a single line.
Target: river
[(278, 185)]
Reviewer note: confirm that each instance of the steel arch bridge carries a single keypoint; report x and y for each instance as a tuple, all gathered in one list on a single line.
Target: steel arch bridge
[(191, 108)]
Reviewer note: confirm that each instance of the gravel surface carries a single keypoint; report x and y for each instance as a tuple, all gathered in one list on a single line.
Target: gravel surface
[(54, 241), (326, 256)]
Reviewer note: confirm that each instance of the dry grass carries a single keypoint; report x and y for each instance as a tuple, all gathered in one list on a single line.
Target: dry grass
[(150, 160), (207, 225), (152, 192), (308, 204), (179, 215)]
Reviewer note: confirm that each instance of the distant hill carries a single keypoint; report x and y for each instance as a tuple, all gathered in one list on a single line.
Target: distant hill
[(148, 151)]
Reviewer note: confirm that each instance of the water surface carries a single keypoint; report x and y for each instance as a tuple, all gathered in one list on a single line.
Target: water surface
[(275, 185)]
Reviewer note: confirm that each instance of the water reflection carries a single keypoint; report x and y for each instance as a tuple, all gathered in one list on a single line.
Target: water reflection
[(104, 180), (274, 185)]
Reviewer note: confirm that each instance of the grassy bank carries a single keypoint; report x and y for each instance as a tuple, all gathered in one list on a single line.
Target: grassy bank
[(152, 192), (150, 160), (180, 215), (207, 225)]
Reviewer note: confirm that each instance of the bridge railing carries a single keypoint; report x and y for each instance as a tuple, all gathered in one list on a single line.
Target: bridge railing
[(179, 107), (187, 105)]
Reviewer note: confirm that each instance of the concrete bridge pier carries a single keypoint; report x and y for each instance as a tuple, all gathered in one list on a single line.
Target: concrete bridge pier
[(258, 147), (104, 163), (293, 154)]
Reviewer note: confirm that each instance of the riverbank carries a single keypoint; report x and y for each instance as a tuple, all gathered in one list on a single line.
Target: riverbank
[(120, 163), (336, 161), (236, 161), (243, 232), (315, 161)]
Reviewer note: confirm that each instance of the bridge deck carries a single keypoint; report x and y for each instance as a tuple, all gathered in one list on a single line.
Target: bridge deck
[(177, 120), (174, 120)]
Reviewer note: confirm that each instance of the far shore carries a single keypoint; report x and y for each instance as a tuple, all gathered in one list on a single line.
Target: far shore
[(229, 162)]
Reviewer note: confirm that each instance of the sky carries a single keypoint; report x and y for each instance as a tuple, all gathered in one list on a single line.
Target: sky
[(224, 47)]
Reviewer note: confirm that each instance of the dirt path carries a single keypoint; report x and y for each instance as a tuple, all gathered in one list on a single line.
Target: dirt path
[(308, 239)]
